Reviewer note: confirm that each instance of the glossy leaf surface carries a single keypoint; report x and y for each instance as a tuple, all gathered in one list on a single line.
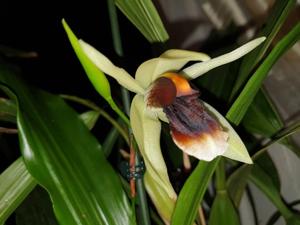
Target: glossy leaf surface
[(66, 159)]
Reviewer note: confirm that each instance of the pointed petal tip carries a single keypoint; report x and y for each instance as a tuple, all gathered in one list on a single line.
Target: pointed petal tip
[(201, 68)]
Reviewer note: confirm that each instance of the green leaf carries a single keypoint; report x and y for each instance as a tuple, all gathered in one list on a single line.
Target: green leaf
[(15, 184), (66, 159), (223, 211), (90, 118), (280, 12), (191, 194), (36, 209), (265, 183), (110, 141), (96, 76), (244, 100), (143, 14), (262, 117), (8, 110), (237, 182)]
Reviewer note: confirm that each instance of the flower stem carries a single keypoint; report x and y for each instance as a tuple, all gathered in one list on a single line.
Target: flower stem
[(93, 106), (144, 210)]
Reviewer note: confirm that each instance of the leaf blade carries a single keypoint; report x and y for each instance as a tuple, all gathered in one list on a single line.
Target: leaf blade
[(60, 153), (192, 193)]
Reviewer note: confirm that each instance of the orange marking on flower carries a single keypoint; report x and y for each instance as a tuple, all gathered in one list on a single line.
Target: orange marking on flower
[(182, 85)]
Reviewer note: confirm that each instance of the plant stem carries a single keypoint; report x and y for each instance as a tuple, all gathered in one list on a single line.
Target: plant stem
[(220, 176), (144, 210), (93, 106)]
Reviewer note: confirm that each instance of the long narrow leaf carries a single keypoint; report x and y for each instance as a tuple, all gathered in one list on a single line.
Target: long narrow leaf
[(223, 211), (265, 184), (143, 14), (15, 184), (275, 21), (241, 105), (192, 193), (66, 159)]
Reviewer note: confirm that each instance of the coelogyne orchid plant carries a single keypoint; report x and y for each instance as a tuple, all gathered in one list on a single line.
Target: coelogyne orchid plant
[(163, 93)]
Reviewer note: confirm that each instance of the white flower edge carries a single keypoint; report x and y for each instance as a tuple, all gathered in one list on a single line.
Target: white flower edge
[(201, 68), (236, 149)]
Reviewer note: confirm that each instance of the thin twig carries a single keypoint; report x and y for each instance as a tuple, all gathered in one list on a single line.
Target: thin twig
[(202, 216), (93, 106), (4, 130)]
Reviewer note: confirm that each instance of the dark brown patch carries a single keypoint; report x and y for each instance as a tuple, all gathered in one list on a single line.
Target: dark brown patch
[(162, 93), (188, 117)]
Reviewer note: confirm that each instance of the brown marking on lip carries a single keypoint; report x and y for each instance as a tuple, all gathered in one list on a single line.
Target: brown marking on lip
[(161, 93), (191, 124), (182, 85)]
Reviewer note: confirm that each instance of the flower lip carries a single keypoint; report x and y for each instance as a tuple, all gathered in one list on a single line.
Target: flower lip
[(194, 130), (161, 93)]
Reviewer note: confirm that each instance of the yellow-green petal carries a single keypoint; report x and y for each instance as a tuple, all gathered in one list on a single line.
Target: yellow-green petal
[(105, 65), (146, 131), (184, 54), (96, 76), (201, 68), (171, 60), (236, 148)]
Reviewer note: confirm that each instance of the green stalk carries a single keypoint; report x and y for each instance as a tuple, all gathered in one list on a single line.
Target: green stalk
[(220, 176), (93, 106), (144, 210)]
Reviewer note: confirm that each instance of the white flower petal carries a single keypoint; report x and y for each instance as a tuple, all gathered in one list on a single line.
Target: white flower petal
[(146, 131), (204, 147), (198, 69), (171, 60), (236, 149), (105, 65), (184, 54)]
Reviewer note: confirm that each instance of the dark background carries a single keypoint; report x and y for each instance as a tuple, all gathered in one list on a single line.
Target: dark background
[(36, 26)]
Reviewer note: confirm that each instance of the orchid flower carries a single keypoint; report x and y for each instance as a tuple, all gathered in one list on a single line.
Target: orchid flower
[(163, 93)]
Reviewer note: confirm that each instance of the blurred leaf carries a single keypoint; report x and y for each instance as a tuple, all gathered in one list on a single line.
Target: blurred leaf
[(223, 211), (143, 14), (275, 21), (15, 184), (236, 183), (36, 209), (265, 183), (244, 100), (191, 194), (262, 117), (66, 159), (8, 110), (277, 214), (110, 141), (220, 80), (90, 118), (238, 180), (266, 164)]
